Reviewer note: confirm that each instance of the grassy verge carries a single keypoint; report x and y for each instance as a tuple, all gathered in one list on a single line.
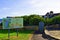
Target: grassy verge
[(22, 35)]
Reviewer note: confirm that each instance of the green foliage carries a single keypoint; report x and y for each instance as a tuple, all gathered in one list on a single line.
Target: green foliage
[(56, 20), (35, 19), (0, 24), (53, 20), (25, 20), (32, 20)]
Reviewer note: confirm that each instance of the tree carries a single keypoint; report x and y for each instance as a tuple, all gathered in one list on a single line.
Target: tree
[(56, 19), (32, 20), (25, 20), (35, 19)]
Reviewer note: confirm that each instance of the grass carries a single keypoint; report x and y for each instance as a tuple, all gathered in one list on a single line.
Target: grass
[(22, 35)]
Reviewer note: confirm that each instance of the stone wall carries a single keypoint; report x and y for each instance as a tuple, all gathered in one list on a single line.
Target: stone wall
[(31, 27), (26, 27), (53, 27)]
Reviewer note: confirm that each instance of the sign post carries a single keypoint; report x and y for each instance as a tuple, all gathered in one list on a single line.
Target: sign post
[(5, 26), (10, 23), (17, 32), (41, 26), (8, 33)]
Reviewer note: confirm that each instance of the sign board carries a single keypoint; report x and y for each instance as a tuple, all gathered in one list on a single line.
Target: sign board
[(9, 23), (5, 23), (41, 26), (0, 20)]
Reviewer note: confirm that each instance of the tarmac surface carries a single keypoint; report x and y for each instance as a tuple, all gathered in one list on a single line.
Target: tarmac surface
[(41, 36)]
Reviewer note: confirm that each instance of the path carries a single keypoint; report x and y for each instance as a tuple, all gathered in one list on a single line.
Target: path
[(38, 36)]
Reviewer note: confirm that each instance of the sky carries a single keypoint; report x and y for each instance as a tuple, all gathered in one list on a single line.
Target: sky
[(28, 7)]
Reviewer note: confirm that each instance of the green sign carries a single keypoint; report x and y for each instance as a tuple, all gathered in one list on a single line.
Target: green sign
[(5, 23), (9, 23)]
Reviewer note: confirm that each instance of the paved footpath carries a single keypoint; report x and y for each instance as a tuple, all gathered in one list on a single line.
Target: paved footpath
[(38, 36)]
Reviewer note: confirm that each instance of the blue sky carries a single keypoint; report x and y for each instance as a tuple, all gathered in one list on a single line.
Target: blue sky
[(27, 7)]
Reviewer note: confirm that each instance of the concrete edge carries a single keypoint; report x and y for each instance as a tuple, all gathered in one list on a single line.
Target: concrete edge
[(47, 33)]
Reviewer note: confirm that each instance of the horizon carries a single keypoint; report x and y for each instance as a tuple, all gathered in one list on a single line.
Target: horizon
[(28, 7)]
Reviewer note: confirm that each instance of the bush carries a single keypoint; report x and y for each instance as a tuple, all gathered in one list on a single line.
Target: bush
[(53, 20), (32, 20)]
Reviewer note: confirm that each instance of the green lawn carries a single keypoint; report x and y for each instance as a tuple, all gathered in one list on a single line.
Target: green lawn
[(23, 34)]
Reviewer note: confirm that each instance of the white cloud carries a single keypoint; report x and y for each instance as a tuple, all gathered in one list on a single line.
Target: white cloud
[(5, 8), (15, 13), (43, 6), (28, 7)]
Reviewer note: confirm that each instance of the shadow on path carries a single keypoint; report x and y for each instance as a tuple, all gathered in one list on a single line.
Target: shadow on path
[(41, 36), (37, 32)]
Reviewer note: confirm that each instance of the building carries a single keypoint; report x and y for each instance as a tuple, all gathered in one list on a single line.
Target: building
[(50, 14)]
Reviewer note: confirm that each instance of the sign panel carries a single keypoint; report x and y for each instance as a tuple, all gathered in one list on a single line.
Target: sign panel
[(5, 23), (0, 20), (9, 23), (41, 26)]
